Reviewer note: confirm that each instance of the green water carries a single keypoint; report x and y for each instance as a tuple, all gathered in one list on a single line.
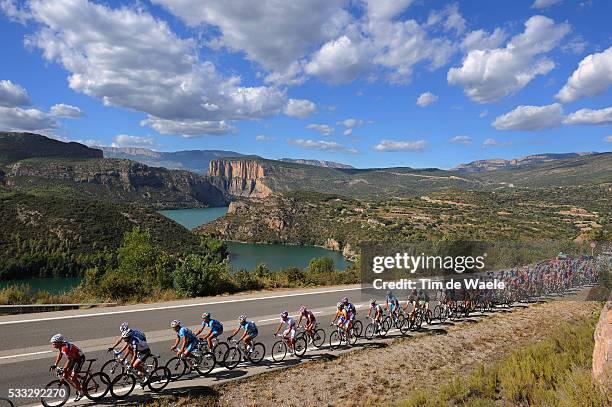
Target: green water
[(249, 255), (52, 285)]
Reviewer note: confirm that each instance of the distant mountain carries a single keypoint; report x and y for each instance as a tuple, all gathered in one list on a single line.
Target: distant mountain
[(21, 146), (530, 160), (189, 160), (317, 163)]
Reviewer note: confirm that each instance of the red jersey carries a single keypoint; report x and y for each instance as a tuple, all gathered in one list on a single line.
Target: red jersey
[(71, 351)]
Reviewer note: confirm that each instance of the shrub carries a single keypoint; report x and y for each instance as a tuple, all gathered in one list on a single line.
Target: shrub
[(201, 275)]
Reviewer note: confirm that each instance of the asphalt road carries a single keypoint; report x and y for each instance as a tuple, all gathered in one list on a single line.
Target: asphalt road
[(25, 353)]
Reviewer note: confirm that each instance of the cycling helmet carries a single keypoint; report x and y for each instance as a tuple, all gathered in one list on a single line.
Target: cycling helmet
[(57, 338), (175, 323), (123, 326), (284, 314), (242, 319), (339, 305), (372, 301), (302, 309), (345, 300), (127, 333), (206, 315)]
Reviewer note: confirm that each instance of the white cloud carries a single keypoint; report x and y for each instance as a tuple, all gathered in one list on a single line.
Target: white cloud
[(66, 111), (124, 140), (576, 45), (488, 75), (352, 122), (348, 132), (18, 119), (426, 99), (481, 39), (188, 128), (608, 139), (329, 146), (592, 77), (590, 116), (300, 108), (12, 95), (324, 129), (461, 139), (530, 118), (127, 58), (544, 3), (391, 145), (14, 11), (484, 113), (491, 142), (263, 137)]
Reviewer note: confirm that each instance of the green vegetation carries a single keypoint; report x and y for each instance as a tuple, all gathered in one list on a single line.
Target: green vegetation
[(553, 372)]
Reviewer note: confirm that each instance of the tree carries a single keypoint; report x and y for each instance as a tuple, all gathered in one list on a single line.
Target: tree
[(321, 265), (201, 275)]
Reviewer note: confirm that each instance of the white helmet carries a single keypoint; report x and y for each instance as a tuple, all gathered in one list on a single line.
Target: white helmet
[(242, 319), (175, 323), (123, 326), (57, 338), (127, 333)]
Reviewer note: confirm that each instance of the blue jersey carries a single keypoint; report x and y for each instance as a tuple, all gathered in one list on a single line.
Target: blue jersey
[(139, 334), (249, 326), (187, 334), (214, 325)]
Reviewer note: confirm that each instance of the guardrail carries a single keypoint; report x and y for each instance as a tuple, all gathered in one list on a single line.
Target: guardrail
[(28, 308)]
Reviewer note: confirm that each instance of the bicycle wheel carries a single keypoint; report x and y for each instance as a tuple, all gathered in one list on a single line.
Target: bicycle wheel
[(443, 315), (437, 311), (335, 340), (385, 325), (96, 386), (55, 394), (352, 338), (112, 368), (300, 346), (177, 367), (122, 386), (152, 363), (388, 322), (370, 331), (219, 351), (279, 351), (318, 338), (232, 358), (358, 328), (258, 353), (428, 316), (159, 379), (205, 363)]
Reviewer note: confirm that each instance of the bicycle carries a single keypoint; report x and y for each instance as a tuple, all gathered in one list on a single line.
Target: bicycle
[(316, 336), (203, 363), (340, 336), (219, 349), (57, 392), (234, 354), (376, 328), (280, 348), (396, 319), (114, 367), (6, 402), (123, 385)]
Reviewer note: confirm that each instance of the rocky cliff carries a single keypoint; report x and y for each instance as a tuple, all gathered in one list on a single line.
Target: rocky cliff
[(240, 178)]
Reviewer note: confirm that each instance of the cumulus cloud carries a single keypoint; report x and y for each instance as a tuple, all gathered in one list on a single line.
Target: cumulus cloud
[(392, 145), (124, 140), (300, 108), (12, 95), (590, 116), (263, 137), (18, 119), (592, 77), (488, 75), (544, 3), (348, 132), (324, 129), (576, 45), (530, 118), (66, 111), (491, 142), (188, 128), (127, 58), (329, 146), (461, 140), (426, 99), (482, 39)]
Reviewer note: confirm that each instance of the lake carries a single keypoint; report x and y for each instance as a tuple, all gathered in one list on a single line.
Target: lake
[(52, 285), (249, 255)]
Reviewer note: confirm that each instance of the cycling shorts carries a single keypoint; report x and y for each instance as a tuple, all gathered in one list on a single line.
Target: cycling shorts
[(290, 332), (144, 355), (75, 365), (216, 333), (191, 346), (253, 334)]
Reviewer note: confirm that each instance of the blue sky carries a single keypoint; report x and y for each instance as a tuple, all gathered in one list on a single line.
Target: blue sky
[(371, 83)]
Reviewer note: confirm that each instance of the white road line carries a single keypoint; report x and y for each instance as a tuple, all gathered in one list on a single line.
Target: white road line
[(23, 321), (26, 354)]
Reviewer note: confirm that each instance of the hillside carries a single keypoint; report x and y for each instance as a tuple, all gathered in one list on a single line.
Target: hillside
[(342, 223), (71, 169), (316, 163), (530, 160), (189, 160)]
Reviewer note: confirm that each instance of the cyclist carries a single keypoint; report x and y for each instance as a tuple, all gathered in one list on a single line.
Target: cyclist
[(341, 316), (289, 332), (250, 332), (310, 319), (351, 311), (413, 300), (73, 365), (392, 304), (135, 332), (140, 352), (378, 311), (423, 299), (190, 342), (216, 328)]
